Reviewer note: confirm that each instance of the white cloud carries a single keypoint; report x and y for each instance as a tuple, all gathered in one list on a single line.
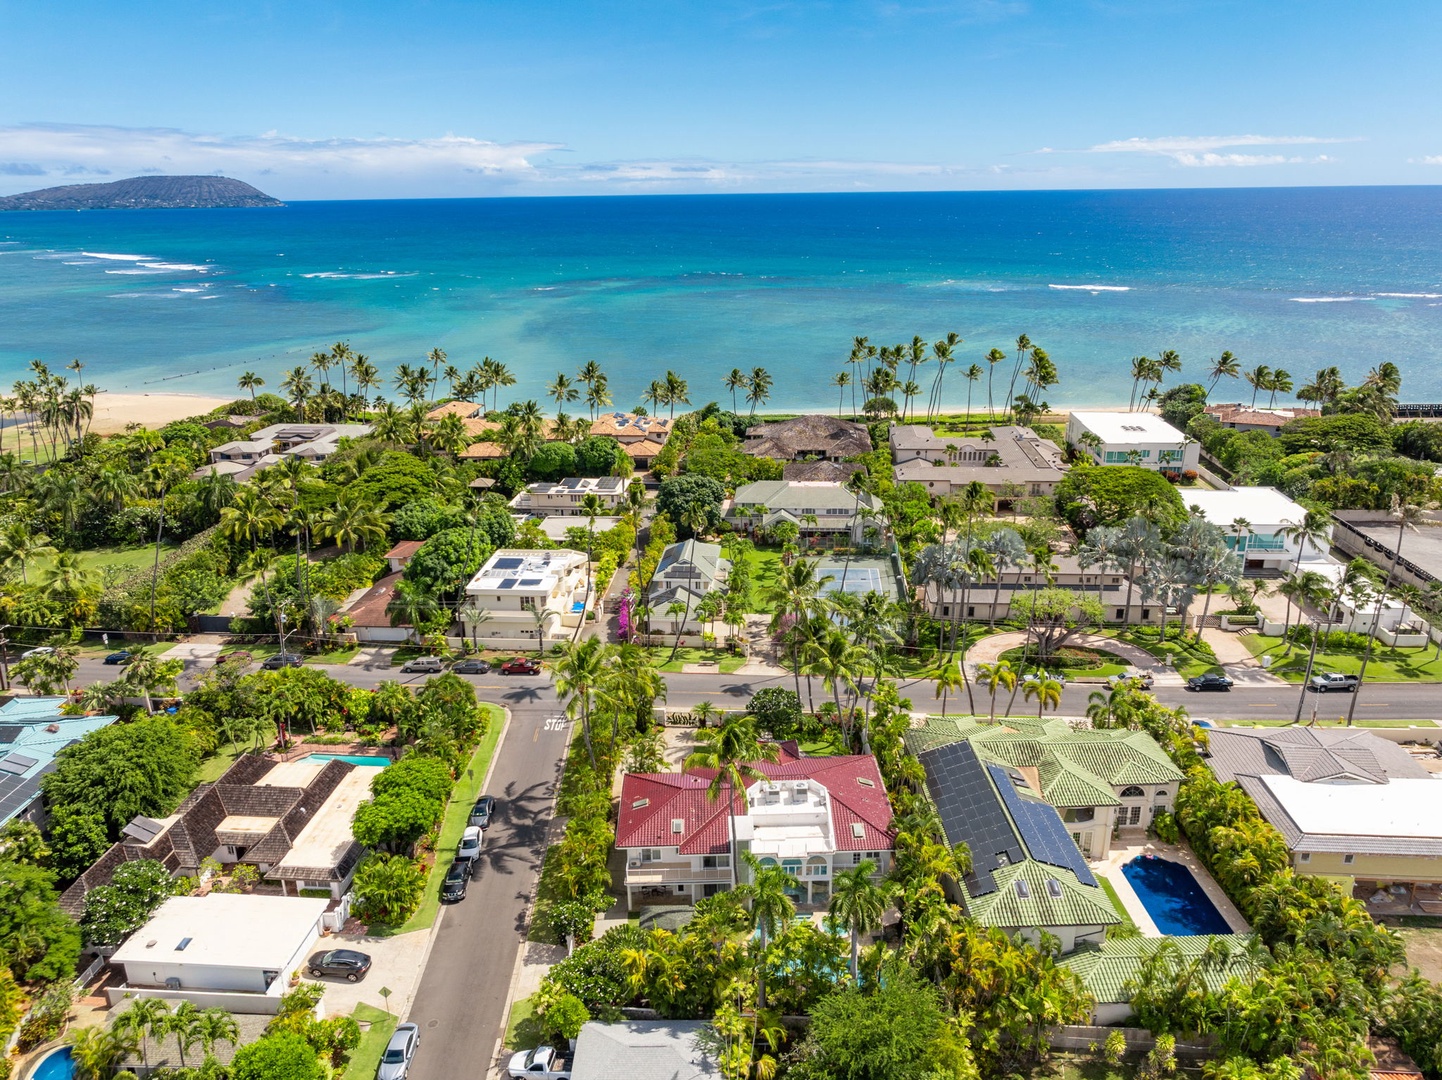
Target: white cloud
[(1430, 159), (1205, 151)]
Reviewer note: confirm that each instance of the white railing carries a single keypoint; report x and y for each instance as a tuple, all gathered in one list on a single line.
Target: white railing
[(664, 875)]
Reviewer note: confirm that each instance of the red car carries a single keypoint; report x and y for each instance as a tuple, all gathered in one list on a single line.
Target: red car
[(521, 665)]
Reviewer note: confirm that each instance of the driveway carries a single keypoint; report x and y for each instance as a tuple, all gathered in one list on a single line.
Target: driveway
[(395, 965)]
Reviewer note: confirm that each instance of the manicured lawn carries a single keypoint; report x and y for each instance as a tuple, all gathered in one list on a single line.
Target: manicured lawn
[(335, 656), (1189, 659), (214, 766), (522, 1029), (726, 662), (128, 559), (463, 796), (1387, 665), (765, 564), (1110, 890), (366, 1057), (1110, 663), (826, 746)]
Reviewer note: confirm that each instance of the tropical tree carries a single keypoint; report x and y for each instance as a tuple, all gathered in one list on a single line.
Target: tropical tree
[(250, 381), (772, 910), (580, 671), (1225, 366), (758, 387), (996, 676), (858, 903), (413, 605), (736, 380), (730, 751), (1047, 691)]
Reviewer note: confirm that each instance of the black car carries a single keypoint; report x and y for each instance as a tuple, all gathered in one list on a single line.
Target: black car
[(472, 667), (343, 963), (482, 812), (454, 887), (1210, 681), (123, 656), (283, 660)]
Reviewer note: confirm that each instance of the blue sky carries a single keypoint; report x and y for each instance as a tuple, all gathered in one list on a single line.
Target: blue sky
[(442, 99)]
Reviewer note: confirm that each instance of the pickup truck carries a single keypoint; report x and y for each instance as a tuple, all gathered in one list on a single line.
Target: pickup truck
[(1322, 684), (542, 1063)]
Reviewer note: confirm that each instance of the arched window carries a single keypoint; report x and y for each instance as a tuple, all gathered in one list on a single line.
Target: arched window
[(1133, 792)]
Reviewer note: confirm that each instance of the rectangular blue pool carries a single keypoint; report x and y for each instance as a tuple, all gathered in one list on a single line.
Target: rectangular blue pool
[(1173, 898), (355, 759)]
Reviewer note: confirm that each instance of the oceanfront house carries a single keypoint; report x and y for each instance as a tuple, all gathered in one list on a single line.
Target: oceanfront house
[(641, 437), (1372, 535), (808, 438), (1028, 876), (812, 816), (1108, 785), (566, 498), (522, 594), (1131, 438), (233, 951), (646, 1050), (1012, 462), (32, 732), (1255, 520), (1108, 970), (291, 820), (827, 511), (991, 598), (1242, 417), (687, 572), (1351, 806), (312, 443)]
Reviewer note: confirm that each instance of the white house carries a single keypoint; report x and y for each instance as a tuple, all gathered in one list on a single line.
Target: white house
[(242, 458), (1131, 438), (685, 573), (237, 951), (503, 599), (1254, 519), (817, 507), (564, 498)]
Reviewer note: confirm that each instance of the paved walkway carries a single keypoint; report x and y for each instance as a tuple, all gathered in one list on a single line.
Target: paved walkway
[(1237, 660)]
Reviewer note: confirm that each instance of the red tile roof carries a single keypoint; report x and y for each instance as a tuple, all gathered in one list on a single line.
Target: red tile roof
[(405, 549), (370, 609), (651, 801)]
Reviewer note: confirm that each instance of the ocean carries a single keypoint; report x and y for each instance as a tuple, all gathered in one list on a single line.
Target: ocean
[(185, 300)]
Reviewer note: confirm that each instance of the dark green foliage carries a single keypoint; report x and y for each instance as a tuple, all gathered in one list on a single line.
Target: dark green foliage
[(596, 972), (77, 838), (283, 1055), (777, 711), (39, 941), (1092, 495), (552, 461), (396, 821), (448, 560), (113, 912), (890, 1033), (1343, 431), (144, 767), (1180, 403), (395, 480), (422, 519), (680, 496), (290, 582), (1419, 439), (415, 772), (595, 455)]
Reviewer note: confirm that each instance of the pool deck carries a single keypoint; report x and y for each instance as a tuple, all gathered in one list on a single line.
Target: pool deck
[(1111, 869)]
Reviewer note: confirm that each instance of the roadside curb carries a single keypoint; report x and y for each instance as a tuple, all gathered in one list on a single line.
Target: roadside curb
[(436, 926)]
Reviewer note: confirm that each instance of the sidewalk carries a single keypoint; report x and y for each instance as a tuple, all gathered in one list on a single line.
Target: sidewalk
[(1237, 660)]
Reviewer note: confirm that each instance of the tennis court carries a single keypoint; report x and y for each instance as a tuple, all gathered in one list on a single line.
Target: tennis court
[(859, 578)]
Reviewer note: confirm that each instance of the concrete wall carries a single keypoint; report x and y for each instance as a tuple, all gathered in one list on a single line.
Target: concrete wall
[(1139, 1040), (260, 1004)]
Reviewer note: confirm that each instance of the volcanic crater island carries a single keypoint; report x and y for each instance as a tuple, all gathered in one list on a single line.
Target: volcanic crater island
[(144, 193)]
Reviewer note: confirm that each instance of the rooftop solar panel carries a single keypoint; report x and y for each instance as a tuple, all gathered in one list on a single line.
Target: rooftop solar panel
[(530, 581), (17, 763), (1041, 828), (10, 732), (971, 812), (508, 583), (508, 564)]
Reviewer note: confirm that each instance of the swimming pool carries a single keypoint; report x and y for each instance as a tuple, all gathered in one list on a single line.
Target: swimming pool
[(57, 1066), (373, 760), (1173, 898)]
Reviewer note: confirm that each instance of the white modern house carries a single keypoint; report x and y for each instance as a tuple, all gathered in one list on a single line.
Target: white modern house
[(565, 497), (235, 951), (1131, 438), (818, 508), (521, 593), (242, 458), (686, 572), (1254, 519)]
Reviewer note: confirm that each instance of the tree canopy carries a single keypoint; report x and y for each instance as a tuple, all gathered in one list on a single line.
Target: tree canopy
[(1092, 495)]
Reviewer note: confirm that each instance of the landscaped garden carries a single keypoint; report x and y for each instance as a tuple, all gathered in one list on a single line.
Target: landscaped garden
[(1289, 659), (1070, 661)]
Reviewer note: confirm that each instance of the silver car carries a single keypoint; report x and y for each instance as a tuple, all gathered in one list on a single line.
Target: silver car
[(396, 1061)]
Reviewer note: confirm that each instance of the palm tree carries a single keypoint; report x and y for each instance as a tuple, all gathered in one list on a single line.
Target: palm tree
[(1408, 512), (350, 523), (997, 676), (145, 1019), (250, 381), (216, 1025), (1311, 589), (772, 909), (730, 750), (563, 390), (298, 385), (736, 380), (1315, 529), (1257, 379), (182, 1024), (858, 903), (1047, 691), (677, 392), (758, 387), (1281, 381), (580, 671), (949, 679), (96, 1051), (597, 395), (1225, 366), (412, 605), (19, 547), (841, 380)]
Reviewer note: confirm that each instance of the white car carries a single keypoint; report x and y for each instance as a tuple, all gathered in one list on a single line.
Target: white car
[(469, 849), (30, 654)]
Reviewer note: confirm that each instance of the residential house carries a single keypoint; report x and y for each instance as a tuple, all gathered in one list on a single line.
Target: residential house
[(399, 557), (836, 472), (818, 509), (641, 437), (521, 594), (1131, 438), (291, 820), (368, 615), (991, 598), (686, 572), (1028, 876), (1254, 519), (313, 443), (235, 951), (812, 816), (565, 498), (1106, 969), (645, 1050), (1351, 806), (1107, 784), (33, 731), (1241, 417), (1010, 462), (826, 438)]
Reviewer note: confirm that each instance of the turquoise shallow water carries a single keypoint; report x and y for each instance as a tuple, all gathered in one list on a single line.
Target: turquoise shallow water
[(186, 300)]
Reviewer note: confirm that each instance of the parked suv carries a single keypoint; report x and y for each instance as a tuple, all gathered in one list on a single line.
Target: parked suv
[(427, 665), (399, 1052), (344, 963), (1210, 681), (521, 665), (453, 888)]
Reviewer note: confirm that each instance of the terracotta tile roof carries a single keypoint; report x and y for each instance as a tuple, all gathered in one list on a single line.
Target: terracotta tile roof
[(370, 609), (650, 802), (405, 549), (483, 451), (630, 425), (1245, 414), (464, 409)]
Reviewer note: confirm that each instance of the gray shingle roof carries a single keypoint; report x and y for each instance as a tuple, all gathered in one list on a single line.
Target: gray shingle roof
[(815, 434), (643, 1050)]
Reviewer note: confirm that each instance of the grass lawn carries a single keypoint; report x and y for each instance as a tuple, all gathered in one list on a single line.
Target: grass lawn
[(463, 795), (128, 559), (366, 1057), (1110, 890), (335, 656), (727, 663), (1111, 663), (1387, 665), (765, 563), (826, 746), (225, 756), (522, 1029), (1188, 660)]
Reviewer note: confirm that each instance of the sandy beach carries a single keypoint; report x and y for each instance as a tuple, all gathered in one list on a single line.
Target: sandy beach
[(114, 411)]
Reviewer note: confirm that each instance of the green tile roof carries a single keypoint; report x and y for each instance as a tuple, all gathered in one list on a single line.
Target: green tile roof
[(1105, 969), (1077, 904)]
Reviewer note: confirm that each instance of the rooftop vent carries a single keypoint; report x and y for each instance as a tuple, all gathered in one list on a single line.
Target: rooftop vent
[(53, 729), (678, 825), (637, 804), (183, 943), (857, 830), (865, 781), (1022, 890)]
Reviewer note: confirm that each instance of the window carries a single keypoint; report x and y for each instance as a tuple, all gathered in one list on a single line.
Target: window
[(1116, 457), (1306, 856), (650, 854), (528, 602), (715, 862), (970, 611), (1132, 792), (1132, 815), (1077, 814), (1348, 859)]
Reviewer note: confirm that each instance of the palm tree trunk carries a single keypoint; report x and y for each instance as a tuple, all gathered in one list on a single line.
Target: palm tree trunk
[(1377, 619)]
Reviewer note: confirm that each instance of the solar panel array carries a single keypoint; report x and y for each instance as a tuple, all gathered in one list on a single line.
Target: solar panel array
[(508, 564), (970, 812), (17, 792), (16, 763), (1041, 828), (10, 732)]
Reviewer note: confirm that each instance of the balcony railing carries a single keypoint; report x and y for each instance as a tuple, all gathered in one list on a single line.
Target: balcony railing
[(653, 874)]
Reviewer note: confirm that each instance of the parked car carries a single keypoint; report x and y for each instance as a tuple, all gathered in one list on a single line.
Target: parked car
[(1210, 681), (1038, 676), (469, 849), (453, 888), (31, 654), (521, 665), (542, 1063), (1141, 679), (342, 963), (283, 660), (426, 665), (471, 667), (1332, 680), (123, 656), (396, 1060), (482, 812)]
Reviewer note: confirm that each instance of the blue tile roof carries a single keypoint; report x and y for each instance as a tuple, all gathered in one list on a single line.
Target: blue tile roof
[(28, 746)]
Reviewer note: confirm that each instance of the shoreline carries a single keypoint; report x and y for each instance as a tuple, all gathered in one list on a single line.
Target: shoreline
[(114, 410)]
